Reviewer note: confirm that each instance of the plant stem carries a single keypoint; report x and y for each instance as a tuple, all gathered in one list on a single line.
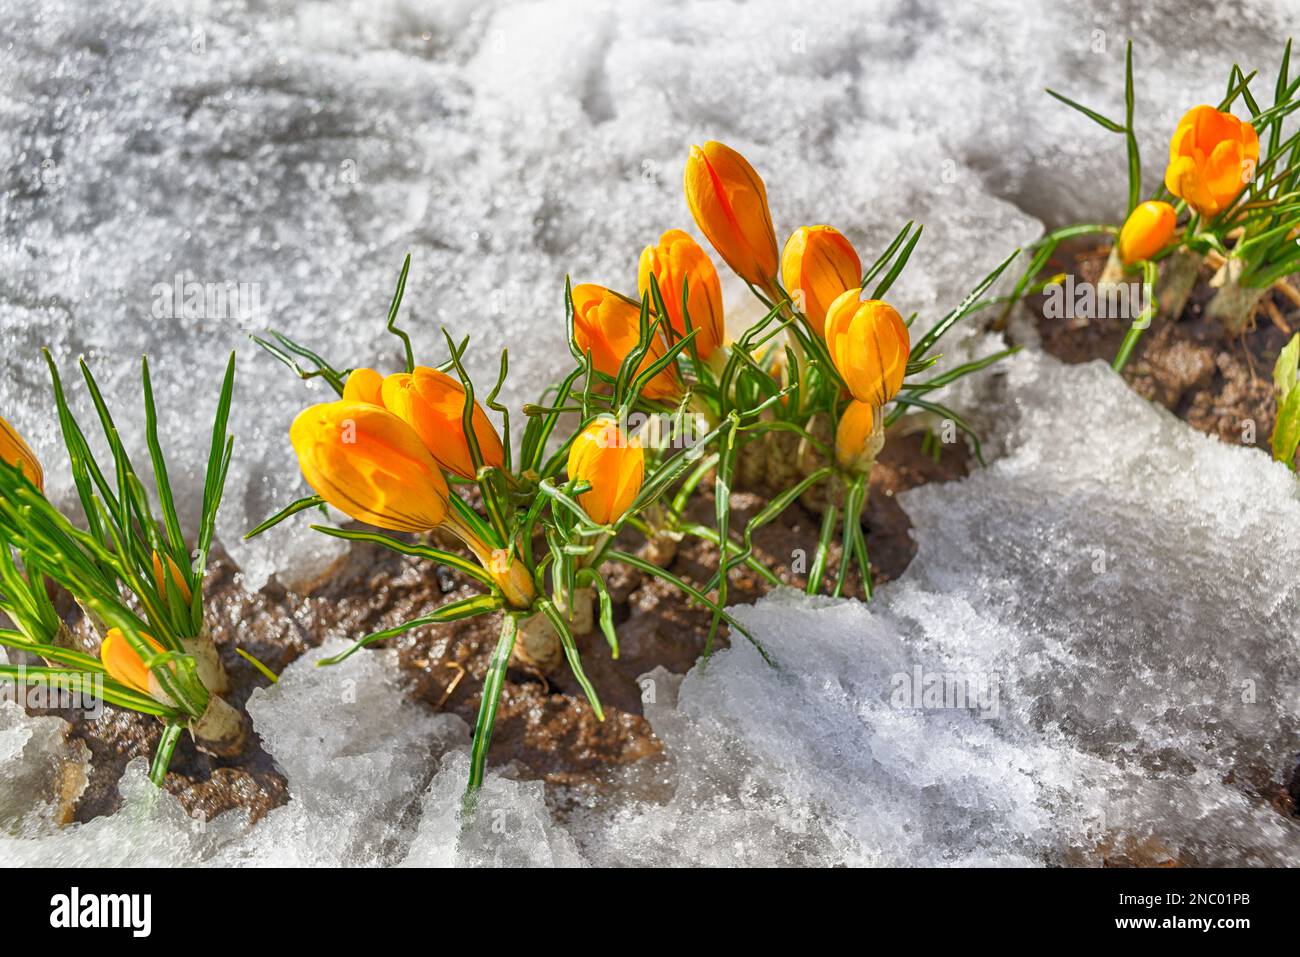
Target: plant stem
[(852, 537), (487, 710), (1233, 303), (162, 757), (1141, 322)]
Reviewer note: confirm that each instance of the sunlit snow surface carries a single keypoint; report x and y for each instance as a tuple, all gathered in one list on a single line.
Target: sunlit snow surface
[(1126, 584)]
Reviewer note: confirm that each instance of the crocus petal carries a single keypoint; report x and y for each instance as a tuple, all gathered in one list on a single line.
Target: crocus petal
[(729, 202), (1147, 230), (121, 662), (869, 344), (609, 327), (364, 385), (371, 465), (614, 464), (433, 404), (1212, 156), (14, 451), (817, 266), (178, 579), (677, 261)]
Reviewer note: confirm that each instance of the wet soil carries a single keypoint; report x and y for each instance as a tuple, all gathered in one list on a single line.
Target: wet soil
[(545, 727), (1218, 384)]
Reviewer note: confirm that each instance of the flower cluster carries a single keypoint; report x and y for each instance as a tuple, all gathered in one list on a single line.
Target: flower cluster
[(145, 645), (1228, 200), (396, 452)]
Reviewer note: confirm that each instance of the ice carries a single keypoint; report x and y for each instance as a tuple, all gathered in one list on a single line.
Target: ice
[(44, 772), (357, 754), (510, 824), (355, 751), (305, 148)]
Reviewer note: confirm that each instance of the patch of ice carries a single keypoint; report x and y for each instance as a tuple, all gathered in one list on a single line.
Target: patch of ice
[(40, 768), (510, 825), (357, 754)]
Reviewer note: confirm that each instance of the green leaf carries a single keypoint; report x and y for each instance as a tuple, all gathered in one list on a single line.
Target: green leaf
[(261, 668), (174, 536), (1141, 321), (1286, 427), (957, 372), (220, 452), (854, 499), (311, 501), (162, 757), (492, 498), (451, 611), (944, 412), (1284, 370), (487, 711), (287, 348), (85, 683), (652, 569), (888, 254), (606, 607), (1131, 143), (897, 267), (463, 565), (1286, 430), (1093, 115), (964, 308), (393, 309), (823, 551), (571, 654), (722, 517)]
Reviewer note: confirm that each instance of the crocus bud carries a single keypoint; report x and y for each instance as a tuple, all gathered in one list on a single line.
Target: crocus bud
[(729, 203), (121, 661), (817, 266), (1147, 230), (609, 327), (859, 437), (433, 403), (1212, 156), (678, 260), (364, 385), (14, 451), (368, 463), (869, 345), (613, 462), (177, 578)]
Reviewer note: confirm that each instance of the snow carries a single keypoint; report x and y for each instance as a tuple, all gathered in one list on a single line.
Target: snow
[(305, 148)]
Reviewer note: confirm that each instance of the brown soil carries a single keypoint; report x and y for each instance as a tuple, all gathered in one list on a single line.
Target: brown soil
[(544, 726), (1216, 384)]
